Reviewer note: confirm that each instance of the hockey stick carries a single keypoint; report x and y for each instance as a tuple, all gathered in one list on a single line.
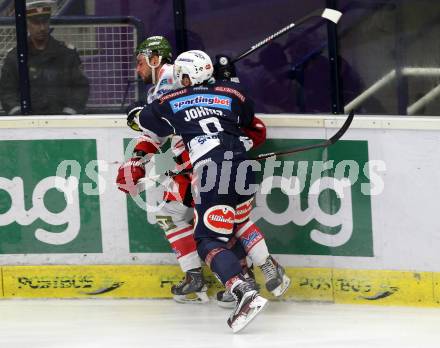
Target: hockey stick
[(327, 13), (326, 143), (338, 135)]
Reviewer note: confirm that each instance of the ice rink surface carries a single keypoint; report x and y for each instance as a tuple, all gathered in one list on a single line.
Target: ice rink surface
[(164, 323)]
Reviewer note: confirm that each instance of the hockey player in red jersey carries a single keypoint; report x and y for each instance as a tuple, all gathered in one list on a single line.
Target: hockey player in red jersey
[(154, 57)]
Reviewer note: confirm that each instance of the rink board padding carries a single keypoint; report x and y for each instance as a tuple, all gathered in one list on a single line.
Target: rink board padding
[(376, 287), (114, 281), (366, 205)]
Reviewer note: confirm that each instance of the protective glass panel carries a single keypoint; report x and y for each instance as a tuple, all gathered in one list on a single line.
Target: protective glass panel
[(291, 73), (390, 53)]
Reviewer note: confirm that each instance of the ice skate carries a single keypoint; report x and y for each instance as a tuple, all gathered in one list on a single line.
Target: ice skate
[(192, 289), (250, 277), (248, 304), (277, 282), (224, 297)]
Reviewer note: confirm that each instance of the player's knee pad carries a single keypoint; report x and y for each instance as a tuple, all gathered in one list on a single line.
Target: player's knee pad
[(173, 215), (253, 242), (173, 218), (248, 234)]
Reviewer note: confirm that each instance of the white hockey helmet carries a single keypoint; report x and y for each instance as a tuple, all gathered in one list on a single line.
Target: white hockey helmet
[(196, 64)]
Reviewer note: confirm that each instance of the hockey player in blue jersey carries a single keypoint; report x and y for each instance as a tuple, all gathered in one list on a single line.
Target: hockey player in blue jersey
[(153, 57), (208, 116)]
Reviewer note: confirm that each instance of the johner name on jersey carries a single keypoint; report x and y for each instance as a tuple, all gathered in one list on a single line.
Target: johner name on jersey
[(213, 100)]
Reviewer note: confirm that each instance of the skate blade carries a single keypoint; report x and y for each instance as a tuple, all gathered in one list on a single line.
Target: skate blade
[(227, 305), (193, 298), (282, 288), (256, 306)]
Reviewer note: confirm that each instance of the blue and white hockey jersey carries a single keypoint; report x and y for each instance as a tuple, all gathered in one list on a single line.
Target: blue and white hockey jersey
[(207, 117)]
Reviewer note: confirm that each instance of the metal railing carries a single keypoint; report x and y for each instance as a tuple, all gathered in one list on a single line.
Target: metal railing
[(105, 46), (389, 78)]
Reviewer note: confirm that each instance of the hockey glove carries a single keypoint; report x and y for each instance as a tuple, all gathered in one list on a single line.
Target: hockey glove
[(224, 69), (133, 114), (129, 174), (256, 131)]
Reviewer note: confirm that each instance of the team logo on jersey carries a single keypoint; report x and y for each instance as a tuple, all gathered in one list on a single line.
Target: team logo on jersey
[(210, 100), (220, 219)]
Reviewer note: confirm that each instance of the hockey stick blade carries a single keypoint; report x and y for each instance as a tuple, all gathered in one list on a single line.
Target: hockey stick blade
[(338, 135), (327, 13)]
